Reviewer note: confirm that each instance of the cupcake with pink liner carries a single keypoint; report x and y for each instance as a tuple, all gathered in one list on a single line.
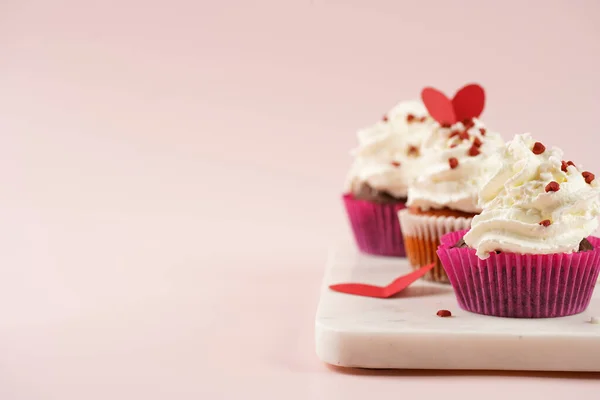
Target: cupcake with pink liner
[(457, 156), (530, 253), (386, 161)]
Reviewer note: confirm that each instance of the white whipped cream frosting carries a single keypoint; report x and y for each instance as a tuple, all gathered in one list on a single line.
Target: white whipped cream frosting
[(439, 185), (515, 201), (388, 153)]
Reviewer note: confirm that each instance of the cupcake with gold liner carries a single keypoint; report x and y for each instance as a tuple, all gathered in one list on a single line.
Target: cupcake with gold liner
[(529, 253), (457, 158)]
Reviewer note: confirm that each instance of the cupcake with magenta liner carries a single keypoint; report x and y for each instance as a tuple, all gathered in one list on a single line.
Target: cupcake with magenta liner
[(530, 253), (458, 155), (386, 161)]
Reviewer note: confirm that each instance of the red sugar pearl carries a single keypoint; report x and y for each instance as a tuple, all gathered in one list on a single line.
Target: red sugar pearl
[(453, 162), (588, 176), (538, 148), (474, 151), (545, 222), (552, 187)]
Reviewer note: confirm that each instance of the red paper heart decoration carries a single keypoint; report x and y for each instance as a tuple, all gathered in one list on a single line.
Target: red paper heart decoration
[(382, 292), (439, 106), (467, 103)]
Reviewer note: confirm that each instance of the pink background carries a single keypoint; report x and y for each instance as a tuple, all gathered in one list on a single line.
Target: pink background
[(170, 179)]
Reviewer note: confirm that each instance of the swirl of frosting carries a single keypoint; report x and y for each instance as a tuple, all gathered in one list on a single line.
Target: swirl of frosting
[(536, 203), (456, 161), (388, 153)]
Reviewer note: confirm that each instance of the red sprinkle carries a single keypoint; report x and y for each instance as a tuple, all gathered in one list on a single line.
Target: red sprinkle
[(444, 313), (468, 123), (385, 118), (566, 164), (413, 150), (589, 177), (395, 163), (552, 187), (482, 130), (454, 133), (545, 222), (453, 145), (474, 151), (477, 142), (410, 118), (422, 119), (538, 148), (453, 162), (464, 135)]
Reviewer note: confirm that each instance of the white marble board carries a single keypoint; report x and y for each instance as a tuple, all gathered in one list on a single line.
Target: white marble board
[(404, 332)]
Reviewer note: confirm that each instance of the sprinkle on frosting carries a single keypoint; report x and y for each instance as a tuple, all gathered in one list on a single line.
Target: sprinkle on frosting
[(588, 176), (453, 162), (395, 163), (468, 123), (538, 148), (474, 151), (545, 222), (482, 131), (413, 151), (552, 187)]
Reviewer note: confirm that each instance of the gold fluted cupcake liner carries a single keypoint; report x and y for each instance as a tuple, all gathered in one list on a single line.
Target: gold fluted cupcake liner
[(422, 235)]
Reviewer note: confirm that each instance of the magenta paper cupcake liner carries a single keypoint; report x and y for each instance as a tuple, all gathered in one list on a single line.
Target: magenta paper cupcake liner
[(520, 285), (375, 226)]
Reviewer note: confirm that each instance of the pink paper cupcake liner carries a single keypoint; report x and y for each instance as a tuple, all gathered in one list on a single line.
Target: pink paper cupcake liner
[(375, 226), (521, 285)]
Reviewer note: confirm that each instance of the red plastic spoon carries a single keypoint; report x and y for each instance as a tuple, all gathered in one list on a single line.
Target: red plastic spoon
[(382, 292)]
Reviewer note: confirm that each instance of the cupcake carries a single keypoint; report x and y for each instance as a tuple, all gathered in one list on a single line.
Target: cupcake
[(385, 162), (456, 158), (529, 253)]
